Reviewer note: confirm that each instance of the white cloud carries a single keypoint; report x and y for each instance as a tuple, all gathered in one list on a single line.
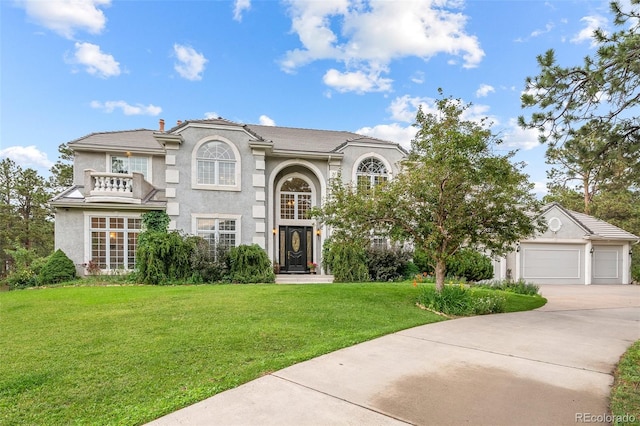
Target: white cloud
[(369, 35), (540, 188), (96, 62), (418, 77), (239, 7), (211, 115), (191, 63), (26, 156), (547, 28), (266, 121), (484, 90), (356, 81), (391, 132), (127, 109), (405, 108), (515, 137), (592, 23), (65, 17)]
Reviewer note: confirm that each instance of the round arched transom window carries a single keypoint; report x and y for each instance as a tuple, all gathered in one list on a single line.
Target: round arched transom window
[(371, 172), (216, 164)]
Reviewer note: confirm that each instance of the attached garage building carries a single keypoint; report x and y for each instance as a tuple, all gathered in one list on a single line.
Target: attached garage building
[(575, 249)]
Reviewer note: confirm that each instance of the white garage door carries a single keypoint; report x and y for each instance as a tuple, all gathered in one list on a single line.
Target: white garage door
[(552, 263), (607, 265)]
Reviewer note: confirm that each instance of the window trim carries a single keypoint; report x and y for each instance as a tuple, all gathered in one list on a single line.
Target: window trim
[(278, 203), (149, 158), (194, 165), (88, 255), (359, 160), (218, 216)]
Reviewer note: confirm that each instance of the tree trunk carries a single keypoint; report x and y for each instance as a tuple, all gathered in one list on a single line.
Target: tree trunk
[(587, 195), (441, 268)]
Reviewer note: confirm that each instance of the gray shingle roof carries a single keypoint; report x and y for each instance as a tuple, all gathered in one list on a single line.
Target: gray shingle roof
[(292, 139), (597, 228), (139, 139), (283, 138)]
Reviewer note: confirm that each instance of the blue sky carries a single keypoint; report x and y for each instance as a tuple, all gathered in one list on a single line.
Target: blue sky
[(73, 67)]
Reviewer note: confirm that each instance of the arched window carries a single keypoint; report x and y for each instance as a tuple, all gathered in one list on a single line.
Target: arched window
[(216, 164), (295, 199), (371, 172)]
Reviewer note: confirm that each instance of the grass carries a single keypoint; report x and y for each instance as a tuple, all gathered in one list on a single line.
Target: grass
[(625, 394), (130, 354)]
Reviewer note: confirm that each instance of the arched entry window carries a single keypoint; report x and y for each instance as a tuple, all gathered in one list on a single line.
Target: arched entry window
[(371, 172), (295, 199)]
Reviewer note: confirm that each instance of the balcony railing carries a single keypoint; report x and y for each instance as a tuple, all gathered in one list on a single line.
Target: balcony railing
[(120, 184), (115, 187)]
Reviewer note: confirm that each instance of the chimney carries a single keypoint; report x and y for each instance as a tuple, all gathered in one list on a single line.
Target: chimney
[(162, 125), (179, 122)]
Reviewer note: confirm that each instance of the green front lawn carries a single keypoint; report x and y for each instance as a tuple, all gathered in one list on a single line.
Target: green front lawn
[(625, 394), (127, 355)]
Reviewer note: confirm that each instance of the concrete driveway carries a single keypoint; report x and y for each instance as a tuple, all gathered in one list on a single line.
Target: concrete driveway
[(549, 366)]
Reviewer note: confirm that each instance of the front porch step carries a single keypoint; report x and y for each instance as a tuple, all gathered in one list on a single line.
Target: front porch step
[(303, 279)]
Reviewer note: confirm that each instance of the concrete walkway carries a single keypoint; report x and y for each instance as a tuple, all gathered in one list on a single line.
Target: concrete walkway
[(552, 366)]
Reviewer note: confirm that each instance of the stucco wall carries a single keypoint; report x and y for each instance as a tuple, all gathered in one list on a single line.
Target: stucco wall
[(203, 201), (98, 161), (69, 235)]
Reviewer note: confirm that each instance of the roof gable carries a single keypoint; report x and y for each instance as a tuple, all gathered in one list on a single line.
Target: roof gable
[(594, 228)]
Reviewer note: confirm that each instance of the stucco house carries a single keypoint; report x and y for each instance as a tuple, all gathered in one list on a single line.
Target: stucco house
[(574, 249), (228, 182)]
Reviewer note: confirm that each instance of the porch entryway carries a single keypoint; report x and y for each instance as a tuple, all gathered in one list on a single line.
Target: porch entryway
[(296, 248)]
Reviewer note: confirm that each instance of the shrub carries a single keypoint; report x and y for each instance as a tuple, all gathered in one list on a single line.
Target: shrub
[(207, 265), (518, 287), (162, 257), (466, 263), (58, 268), (156, 221), (26, 265), (250, 264), (22, 278), (452, 300), (459, 300), (470, 265), (410, 270), (486, 303), (346, 260), (387, 264), (423, 262)]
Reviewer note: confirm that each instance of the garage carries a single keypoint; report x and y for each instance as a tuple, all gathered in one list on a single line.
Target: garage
[(552, 263), (574, 249), (607, 265)]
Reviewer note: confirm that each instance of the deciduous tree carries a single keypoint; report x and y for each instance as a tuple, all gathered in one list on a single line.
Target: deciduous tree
[(453, 191)]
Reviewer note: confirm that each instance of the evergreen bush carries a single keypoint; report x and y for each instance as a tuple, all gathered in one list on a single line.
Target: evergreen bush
[(250, 264), (470, 265), (387, 264), (207, 265), (163, 257), (58, 268), (346, 260)]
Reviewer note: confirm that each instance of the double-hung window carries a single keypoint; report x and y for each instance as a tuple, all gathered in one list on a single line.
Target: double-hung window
[(218, 232)]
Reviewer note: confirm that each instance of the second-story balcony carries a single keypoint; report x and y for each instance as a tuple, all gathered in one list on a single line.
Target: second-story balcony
[(100, 187)]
